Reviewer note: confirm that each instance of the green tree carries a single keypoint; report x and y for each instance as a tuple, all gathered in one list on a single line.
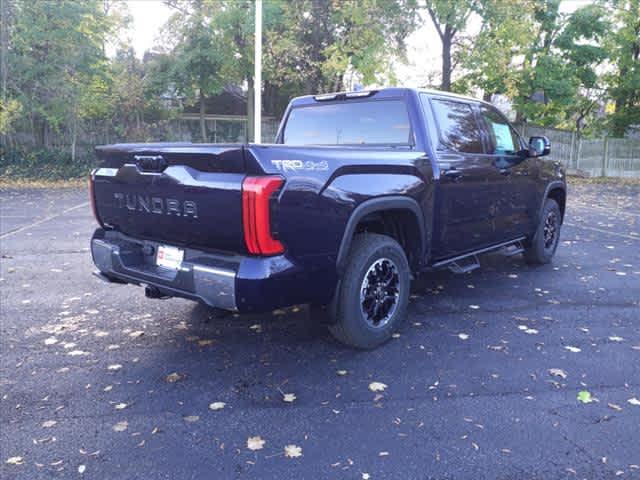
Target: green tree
[(547, 62), (315, 43), (449, 17), (200, 55), (624, 51), (493, 59), (54, 50)]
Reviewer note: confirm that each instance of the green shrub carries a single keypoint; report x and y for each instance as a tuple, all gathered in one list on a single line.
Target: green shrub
[(45, 164)]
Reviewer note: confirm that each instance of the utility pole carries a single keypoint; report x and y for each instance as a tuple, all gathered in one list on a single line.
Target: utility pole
[(4, 42), (257, 83)]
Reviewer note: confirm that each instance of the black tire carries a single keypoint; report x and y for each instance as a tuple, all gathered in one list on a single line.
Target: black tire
[(370, 322), (545, 241)]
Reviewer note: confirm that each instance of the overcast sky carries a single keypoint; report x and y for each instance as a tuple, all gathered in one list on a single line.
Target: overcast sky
[(423, 45)]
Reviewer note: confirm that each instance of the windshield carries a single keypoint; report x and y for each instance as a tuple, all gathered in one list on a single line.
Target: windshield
[(383, 122)]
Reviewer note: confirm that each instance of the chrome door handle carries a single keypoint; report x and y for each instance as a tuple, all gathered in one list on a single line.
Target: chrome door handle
[(453, 173)]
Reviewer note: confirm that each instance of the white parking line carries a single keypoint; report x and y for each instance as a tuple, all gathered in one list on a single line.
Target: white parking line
[(600, 230), (612, 213), (41, 221)]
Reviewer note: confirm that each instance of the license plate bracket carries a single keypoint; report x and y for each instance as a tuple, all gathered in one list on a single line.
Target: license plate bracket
[(169, 257)]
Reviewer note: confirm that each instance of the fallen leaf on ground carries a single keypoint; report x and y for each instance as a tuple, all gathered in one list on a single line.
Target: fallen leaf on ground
[(342, 373), (558, 372), (114, 367), (15, 461), (48, 423), (615, 407), (121, 426), (191, 418), (77, 353), (572, 349), (634, 401), (463, 336), (292, 451), (615, 338), (121, 406), (377, 387), (289, 397), (136, 334), (584, 396), (217, 405), (255, 443), (81, 469), (174, 377)]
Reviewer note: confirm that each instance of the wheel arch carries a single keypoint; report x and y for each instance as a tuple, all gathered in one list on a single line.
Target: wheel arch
[(558, 192), (381, 209)]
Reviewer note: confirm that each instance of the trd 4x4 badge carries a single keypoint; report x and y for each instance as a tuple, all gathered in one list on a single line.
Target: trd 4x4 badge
[(299, 165)]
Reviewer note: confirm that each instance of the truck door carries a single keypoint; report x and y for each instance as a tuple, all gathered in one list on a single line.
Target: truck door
[(517, 204), (469, 185)]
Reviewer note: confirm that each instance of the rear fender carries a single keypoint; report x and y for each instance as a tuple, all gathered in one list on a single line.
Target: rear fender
[(378, 205)]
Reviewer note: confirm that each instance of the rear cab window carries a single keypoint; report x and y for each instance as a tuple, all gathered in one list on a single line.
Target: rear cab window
[(457, 125), (349, 122)]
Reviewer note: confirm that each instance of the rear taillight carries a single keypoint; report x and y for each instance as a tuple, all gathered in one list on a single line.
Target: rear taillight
[(92, 200), (256, 214)]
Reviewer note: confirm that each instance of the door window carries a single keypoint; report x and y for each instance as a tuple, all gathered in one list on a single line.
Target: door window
[(458, 127), (504, 139)]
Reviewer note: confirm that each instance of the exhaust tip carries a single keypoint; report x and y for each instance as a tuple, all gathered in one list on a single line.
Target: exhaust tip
[(153, 292)]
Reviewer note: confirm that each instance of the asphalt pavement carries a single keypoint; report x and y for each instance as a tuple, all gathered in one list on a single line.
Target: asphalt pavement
[(482, 382)]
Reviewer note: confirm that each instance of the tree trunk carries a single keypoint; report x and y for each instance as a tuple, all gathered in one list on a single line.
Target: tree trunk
[(446, 61), (250, 109), (203, 129)]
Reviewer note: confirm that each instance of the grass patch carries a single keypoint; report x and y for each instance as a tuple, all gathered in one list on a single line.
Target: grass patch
[(53, 166), (6, 183)]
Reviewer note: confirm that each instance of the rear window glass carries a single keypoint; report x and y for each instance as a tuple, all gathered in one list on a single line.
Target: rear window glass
[(458, 126), (381, 122)]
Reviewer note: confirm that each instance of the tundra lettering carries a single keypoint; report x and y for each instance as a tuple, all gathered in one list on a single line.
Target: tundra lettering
[(360, 192), (145, 203)]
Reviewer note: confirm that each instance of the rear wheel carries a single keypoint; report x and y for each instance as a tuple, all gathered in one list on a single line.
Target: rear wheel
[(545, 241), (374, 293)]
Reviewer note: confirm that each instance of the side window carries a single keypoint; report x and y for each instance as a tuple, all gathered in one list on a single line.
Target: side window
[(504, 139), (458, 127)]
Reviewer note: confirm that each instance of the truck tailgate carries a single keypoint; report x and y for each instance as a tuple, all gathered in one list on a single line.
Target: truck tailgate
[(185, 195)]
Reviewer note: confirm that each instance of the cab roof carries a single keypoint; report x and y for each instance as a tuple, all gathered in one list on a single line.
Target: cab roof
[(388, 92)]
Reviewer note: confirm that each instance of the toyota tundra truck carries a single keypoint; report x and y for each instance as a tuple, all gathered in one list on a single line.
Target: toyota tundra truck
[(361, 192)]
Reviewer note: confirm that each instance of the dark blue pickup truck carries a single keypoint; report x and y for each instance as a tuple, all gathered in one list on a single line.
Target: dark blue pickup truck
[(360, 192)]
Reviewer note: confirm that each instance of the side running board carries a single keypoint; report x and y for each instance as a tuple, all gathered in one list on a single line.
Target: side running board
[(469, 261)]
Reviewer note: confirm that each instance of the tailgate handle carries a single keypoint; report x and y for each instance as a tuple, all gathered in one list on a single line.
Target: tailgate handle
[(150, 163)]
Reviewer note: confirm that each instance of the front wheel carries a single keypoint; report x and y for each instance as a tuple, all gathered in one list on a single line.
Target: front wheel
[(374, 293), (545, 241)]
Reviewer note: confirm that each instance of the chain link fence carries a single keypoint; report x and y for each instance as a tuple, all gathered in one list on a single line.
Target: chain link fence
[(602, 157)]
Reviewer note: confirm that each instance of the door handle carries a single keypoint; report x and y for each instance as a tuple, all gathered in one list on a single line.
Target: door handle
[(453, 173)]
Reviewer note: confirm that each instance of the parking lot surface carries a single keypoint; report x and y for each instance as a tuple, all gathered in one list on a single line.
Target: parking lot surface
[(482, 382)]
